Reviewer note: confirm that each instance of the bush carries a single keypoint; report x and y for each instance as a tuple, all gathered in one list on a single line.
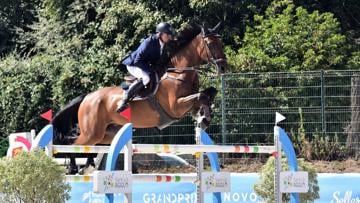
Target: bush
[(319, 146), (265, 188), (32, 177)]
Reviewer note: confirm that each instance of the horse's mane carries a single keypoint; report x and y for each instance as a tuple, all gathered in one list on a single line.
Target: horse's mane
[(184, 37)]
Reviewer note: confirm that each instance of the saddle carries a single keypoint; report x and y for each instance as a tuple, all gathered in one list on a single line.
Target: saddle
[(149, 90), (148, 93)]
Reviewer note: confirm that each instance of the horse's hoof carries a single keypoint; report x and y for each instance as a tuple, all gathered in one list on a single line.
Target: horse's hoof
[(72, 170), (81, 171), (203, 123), (87, 170)]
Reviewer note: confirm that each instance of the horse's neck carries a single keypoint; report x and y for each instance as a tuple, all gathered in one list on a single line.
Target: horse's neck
[(181, 83), (189, 56)]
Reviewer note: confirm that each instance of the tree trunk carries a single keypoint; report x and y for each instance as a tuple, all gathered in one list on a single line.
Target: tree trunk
[(353, 138)]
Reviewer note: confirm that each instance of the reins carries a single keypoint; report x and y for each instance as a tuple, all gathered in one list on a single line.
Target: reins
[(211, 61)]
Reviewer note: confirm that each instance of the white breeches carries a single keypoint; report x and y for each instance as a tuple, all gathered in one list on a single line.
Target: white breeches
[(138, 73)]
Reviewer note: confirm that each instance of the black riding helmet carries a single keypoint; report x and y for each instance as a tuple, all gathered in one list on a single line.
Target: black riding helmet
[(165, 27)]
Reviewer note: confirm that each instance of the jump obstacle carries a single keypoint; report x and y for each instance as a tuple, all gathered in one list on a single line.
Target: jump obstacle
[(122, 143)]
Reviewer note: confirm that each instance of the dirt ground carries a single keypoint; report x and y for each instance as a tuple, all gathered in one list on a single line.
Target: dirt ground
[(251, 166)]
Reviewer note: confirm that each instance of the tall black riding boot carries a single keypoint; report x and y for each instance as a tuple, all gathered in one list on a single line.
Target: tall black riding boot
[(129, 94)]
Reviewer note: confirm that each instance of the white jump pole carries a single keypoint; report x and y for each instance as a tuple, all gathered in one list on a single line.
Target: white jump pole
[(47, 133), (199, 166), (168, 148), (278, 118)]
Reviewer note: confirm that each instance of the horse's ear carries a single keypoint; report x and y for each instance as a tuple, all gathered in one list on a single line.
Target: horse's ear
[(204, 29), (216, 28)]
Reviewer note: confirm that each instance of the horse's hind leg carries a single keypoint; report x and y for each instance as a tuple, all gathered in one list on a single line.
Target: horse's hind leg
[(110, 133), (92, 123), (90, 138), (89, 166), (72, 167)]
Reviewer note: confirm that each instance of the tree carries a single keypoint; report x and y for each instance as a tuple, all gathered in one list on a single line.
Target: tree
[(55, 50), (353, 137), (289, 38), (346, 11), (15, 18), (75, 47), (33, 177)]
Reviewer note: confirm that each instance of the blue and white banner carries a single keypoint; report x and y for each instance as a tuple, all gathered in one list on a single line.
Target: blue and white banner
[(334, 188)]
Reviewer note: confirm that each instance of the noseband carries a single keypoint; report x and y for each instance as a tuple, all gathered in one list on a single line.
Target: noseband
[(210, 55)]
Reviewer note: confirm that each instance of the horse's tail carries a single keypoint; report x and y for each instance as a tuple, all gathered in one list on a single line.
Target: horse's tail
[(65, 122)]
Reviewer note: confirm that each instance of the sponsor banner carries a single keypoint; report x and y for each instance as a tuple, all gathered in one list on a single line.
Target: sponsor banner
[(334, 188), (215, 182), (339, 188), (294, 182), (112, 182)]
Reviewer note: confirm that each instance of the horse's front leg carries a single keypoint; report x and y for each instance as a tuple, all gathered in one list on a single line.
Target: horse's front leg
[(200, 104), (185, 104), (202, 113)]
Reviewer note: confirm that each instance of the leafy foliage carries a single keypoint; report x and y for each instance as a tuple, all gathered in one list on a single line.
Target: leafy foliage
[(265, 187), (26, 92), (346, 11), (15, 18), (54, 50), (289, 38), (33, 177), (319, 146)]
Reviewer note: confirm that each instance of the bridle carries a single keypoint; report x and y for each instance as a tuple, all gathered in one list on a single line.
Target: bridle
[(210, 58)]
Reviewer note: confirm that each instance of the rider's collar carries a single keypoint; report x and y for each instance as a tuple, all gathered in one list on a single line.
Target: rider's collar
[(161, 43)]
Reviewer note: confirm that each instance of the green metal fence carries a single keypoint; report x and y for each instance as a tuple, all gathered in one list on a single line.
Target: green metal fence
[(244, 111)]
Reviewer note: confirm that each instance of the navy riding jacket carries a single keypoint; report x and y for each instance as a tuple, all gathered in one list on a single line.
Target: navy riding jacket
[(146, 55)]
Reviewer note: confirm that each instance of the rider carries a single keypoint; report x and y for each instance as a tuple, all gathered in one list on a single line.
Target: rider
[(140, 63)]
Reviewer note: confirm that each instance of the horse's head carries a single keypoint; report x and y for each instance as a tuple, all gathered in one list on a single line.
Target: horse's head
[(214, 49)]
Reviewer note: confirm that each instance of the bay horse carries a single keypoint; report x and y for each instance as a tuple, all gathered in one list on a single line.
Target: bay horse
[(92, 119)]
